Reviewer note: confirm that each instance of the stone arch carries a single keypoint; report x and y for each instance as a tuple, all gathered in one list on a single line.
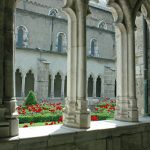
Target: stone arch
[(33, 70), (60, 72), (98, 86), (29, 82), (21, 70), (145, 9), (57, 85), (142, 41), (90, 85), (124, 27), (61, 42), (18, 83), (22, 36)]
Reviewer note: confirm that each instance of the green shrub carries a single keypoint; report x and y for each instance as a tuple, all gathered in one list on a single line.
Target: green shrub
[(31, 99), (38, 118)]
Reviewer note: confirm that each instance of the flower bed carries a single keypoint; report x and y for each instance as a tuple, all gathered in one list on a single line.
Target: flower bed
[(51, 113)]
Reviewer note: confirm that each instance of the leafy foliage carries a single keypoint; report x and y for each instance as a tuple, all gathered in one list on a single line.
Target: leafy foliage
[(52, 112), (31, 99)]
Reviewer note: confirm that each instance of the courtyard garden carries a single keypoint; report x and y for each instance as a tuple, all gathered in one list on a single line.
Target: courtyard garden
[(32, 113)]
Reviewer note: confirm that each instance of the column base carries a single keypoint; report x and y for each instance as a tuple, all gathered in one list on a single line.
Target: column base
[(9, 128), (126, 109), (77, 119), (9, 123)]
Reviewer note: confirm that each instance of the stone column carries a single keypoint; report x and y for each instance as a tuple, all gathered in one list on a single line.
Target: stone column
[(76, 113), (94, 87), (23, 85), (2, 5), (126, 106), (62, 86), (52, 86), (9, 121)]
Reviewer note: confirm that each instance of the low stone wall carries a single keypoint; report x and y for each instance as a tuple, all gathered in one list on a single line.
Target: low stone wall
[(103, 135)]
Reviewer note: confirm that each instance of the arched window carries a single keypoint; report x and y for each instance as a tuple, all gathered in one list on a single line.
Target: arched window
[(49, 86), (61, 42), (102, 24), (29, 82), (65, 87), (90, 86), (22, 37), (98, 87), (57, 85), (18, 80), (93, 47)]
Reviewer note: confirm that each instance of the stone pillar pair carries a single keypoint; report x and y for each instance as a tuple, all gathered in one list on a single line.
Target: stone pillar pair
[(75, 112), (124, 17)]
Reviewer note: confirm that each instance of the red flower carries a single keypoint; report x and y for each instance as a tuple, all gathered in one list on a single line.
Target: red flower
[(46, 123), (25, 126), (52, 110), (96, 109), (31, 123), (60, 119), (52, 123), (58, 108), (94, 118)]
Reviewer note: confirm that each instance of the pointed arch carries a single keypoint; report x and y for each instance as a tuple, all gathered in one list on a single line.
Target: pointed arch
[(57, 85), (18, 82), (98, 86), (90, 86), (29, 82)]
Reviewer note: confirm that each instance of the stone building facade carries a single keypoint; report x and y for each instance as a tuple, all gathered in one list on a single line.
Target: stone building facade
[(42, 45)]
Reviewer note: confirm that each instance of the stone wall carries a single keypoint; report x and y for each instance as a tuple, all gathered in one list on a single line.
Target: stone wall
[(103, 135), (109, 81), (34, 16), (31, 14), (54, 62)]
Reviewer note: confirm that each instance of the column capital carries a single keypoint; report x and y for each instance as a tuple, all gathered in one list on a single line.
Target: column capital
[(76, 7)]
